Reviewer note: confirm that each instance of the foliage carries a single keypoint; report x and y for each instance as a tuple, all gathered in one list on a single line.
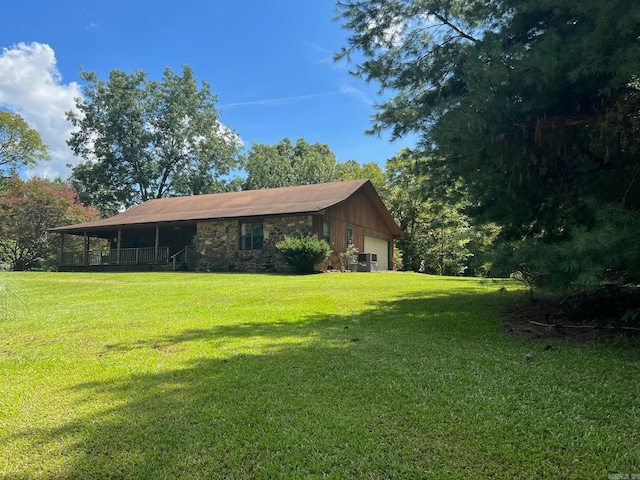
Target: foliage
[(606, 251), (256, 376), (438, 236), (588, 270), (352, 170), (349, 256), (27, 210), (483, 244), (448, 236), (285, 164), (630, 316), (407, 204), (143, 139), (533, 105), (20, 145), (303, 253)]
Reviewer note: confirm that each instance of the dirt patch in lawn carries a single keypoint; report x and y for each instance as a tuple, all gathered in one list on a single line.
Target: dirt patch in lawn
[(547, 319)]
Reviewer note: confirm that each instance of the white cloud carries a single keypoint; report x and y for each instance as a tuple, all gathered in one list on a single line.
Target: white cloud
[(356, 93), (393, 33), (326, 55), (230, 137), (31, 85), (275, 102)]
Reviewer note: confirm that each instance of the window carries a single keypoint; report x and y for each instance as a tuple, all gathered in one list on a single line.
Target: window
[(326, 231), (349, 236), (251, 236)]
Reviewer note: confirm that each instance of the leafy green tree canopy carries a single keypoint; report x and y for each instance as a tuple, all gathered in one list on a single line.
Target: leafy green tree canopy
[(534, 103), (285, 164), (143, 139), (27, 210), (438, 235), (20, 145), (352, 170)]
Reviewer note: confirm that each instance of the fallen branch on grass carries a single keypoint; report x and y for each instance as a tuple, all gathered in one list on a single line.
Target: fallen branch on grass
[(558, 325)]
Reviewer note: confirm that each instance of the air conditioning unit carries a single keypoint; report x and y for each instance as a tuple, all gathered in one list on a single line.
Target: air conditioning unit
[(367, 262)]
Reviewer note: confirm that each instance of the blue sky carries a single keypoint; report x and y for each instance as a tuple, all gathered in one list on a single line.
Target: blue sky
[(270, 64)]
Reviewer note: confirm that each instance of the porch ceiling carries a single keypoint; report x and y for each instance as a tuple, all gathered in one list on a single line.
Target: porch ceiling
[(109, 231)]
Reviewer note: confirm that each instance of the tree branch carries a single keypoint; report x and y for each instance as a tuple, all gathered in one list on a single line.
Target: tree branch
[(455, 28), (626, 192)]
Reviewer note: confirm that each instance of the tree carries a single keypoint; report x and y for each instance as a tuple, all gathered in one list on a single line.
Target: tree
[(20, 145), (27, 210), (352, 170), (533, 104), (437, 233), (285, 164), (143, 139)]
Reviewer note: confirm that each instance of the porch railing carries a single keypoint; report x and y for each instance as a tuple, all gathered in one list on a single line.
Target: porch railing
[(187, 256), (191, 256), (125, 256)]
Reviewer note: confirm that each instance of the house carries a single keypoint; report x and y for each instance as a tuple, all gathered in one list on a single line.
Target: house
[(236, 231)]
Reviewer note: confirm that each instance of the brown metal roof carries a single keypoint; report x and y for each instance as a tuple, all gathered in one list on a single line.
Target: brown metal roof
[(247, 203)]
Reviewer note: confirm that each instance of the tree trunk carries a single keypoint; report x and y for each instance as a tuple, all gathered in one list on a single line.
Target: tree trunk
[(19, 265)]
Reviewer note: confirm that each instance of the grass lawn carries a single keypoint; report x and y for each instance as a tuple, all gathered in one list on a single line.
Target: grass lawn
[(178, 375)]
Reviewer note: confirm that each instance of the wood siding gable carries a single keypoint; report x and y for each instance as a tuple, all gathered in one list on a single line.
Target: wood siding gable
[(359, 213)]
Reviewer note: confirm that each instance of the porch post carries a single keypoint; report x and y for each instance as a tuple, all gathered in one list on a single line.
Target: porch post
[(61, 248), (118, 247), (86, 249), (157, 243)]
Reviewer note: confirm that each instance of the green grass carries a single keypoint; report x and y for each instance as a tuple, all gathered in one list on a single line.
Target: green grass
[(266, 376)]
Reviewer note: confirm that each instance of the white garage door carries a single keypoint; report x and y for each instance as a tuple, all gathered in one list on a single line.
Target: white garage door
[(380, 247)]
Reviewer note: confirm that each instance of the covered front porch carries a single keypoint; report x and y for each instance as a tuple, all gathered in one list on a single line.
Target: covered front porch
[(157, 247)]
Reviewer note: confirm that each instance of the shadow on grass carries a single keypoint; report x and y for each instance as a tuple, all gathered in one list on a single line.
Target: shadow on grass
[(461, 314), (345, 400)]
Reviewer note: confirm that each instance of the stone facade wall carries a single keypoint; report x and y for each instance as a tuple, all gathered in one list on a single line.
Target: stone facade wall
[(333, 262), (218, 244)]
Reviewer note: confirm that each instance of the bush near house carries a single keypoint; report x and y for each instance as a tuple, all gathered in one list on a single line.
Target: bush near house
[(304, 253)]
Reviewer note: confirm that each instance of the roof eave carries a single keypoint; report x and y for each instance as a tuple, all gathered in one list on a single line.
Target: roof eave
[(82, 229)]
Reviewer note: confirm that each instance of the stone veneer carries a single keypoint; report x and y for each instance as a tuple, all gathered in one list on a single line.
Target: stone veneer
[(218, 244)]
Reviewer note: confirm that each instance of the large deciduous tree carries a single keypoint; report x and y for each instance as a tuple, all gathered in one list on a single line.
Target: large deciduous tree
[(439, 237), (143, 139), (285, 164), (352, 170), (20, 145), (27, 210), (534, 104)]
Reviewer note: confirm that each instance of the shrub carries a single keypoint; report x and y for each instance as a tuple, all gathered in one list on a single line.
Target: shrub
[(604, 252), (303, 253), (594, 269)]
